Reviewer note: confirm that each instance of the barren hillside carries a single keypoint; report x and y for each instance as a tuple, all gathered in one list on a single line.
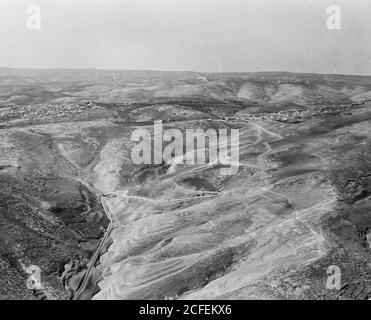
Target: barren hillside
[(299, 203)]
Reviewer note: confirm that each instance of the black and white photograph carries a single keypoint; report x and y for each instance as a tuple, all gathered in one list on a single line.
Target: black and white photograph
[(185, 150)]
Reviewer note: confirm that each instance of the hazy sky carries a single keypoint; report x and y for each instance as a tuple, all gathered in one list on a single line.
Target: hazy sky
[(200, 35)]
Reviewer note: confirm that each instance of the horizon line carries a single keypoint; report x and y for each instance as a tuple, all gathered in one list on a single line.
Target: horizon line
[(181, 71)]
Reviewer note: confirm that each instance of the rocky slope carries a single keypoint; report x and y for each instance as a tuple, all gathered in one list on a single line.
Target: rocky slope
[(299, 203)]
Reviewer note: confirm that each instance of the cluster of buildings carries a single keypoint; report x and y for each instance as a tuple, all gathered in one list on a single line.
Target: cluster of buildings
[(32, 113), (297, 116)]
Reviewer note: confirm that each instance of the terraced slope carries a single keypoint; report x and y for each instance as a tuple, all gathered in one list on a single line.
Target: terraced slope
[(266, 226)]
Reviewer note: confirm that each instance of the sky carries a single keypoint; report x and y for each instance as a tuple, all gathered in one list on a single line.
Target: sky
[(197, 35)]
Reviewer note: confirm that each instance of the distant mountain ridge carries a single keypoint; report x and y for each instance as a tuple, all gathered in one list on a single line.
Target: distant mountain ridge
[(57, 86)]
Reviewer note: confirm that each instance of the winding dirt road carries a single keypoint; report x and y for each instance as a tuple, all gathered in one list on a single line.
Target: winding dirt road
[(107, 212)]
